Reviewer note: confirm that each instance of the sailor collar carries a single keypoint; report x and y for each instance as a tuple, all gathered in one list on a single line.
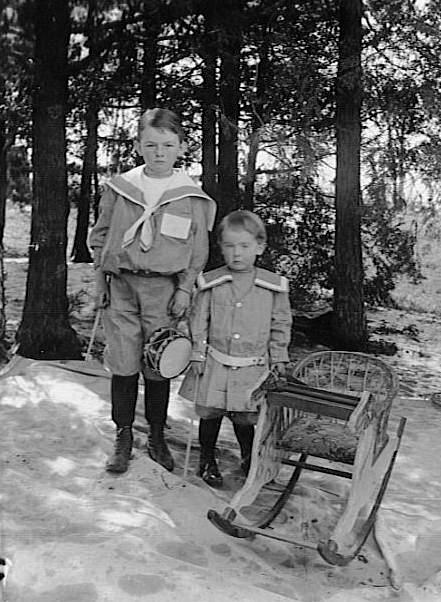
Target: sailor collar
[(181, 186)]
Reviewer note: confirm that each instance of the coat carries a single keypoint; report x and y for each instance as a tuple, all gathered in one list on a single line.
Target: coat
[(178, 225), (257, 325)]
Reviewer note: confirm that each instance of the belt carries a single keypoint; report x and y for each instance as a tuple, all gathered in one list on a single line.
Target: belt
[(234, 361), (145, 273)]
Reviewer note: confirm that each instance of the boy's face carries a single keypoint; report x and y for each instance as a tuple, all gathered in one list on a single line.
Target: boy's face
[(160, 149), (240, 249)]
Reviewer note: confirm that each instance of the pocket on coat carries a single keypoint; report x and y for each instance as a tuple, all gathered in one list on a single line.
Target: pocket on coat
[(175, 226)]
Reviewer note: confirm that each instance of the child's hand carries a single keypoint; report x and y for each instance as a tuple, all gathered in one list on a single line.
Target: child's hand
[(180, 303), (279, 369), (197, 368), (102, 292)]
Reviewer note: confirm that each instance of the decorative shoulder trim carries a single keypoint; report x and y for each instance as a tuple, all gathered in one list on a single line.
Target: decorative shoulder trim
[(271, 281), (213, 278)]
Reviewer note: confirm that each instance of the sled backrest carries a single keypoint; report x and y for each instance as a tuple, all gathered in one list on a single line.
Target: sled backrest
[(347, 372), (348, 387)]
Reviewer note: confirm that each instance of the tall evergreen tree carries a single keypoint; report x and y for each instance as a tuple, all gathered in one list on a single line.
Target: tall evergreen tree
[(45, 332), (349, 312), (152, 28), (231, 39), (80, 251), (208, 50)]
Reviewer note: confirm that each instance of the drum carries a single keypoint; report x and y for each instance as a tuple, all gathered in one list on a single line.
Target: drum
[(168, 352)]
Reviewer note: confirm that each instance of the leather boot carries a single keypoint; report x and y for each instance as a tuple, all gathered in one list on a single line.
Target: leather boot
[(245, 437), (119, 462), (209, 470), (157, 447)]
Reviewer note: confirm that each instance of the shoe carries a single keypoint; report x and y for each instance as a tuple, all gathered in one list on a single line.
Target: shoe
[(157, 447), (209, 472), (119, 462)]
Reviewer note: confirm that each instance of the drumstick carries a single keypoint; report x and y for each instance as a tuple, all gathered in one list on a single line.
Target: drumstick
[(92, 336), (190, 429)]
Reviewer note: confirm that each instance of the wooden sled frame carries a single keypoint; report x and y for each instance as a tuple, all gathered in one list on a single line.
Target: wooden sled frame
[(351, 387)]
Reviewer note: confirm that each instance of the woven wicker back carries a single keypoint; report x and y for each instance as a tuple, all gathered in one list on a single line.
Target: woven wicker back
[(347, 371)]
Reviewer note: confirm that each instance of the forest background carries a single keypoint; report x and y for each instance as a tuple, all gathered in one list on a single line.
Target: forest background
[(321, 116)]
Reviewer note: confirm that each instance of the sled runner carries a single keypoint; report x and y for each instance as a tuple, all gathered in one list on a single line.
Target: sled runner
[(334, 408)]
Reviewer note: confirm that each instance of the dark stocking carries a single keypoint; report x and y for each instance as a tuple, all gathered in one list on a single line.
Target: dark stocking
[(124, 393), (245, 437)]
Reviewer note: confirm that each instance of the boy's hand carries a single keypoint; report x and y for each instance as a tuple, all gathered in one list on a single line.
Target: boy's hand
[(180, 303), (102, 292), (279, 368), (197, 367)]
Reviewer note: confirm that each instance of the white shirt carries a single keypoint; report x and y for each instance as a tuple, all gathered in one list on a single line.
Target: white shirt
[(153, 189)]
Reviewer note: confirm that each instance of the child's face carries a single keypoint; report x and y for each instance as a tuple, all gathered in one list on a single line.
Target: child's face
[(159, 148), (240, 249)]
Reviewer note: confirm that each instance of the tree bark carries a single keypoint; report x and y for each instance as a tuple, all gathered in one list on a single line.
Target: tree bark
[(229, 100), (3, 178), (349, 312), (45, 332), (80, 250), (152, 27), (96, 196), (3, 192), (258, 118), (209, 100)]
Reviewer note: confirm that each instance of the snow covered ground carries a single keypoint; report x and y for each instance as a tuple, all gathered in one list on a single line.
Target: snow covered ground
[(74, 533)]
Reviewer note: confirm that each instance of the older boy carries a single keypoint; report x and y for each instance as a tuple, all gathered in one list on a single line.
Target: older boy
[(150, 242)]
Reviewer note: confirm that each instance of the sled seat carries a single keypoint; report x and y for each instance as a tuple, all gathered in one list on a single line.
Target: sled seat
[(318, 434), (334, 409)]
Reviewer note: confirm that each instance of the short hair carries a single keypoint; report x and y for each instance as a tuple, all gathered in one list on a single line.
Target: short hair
[(162, 119), (243, 220)]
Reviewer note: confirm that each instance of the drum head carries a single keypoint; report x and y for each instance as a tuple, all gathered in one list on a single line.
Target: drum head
[(175, 357)]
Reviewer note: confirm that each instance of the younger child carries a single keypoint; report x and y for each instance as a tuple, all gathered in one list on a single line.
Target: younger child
[(150, 242), (241, 328)]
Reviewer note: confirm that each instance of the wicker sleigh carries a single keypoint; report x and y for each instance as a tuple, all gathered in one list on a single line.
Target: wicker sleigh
[(335, 406)]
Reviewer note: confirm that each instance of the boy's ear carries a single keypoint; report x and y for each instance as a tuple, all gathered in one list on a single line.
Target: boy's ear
[(260, 248), (183, 149), (137, 147)]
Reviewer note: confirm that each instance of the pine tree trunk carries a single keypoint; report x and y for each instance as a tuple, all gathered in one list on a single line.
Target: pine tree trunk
[(3, 343), (45, 332), (3, 178), (152, 26), (349, 312), (96, 196), (3, 192), (208, 50), (209, 102), (258, 118), (229, 99), (250, 176), (80, 250)]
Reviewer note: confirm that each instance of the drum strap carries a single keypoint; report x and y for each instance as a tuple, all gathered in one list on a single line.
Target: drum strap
[(235, 361)]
